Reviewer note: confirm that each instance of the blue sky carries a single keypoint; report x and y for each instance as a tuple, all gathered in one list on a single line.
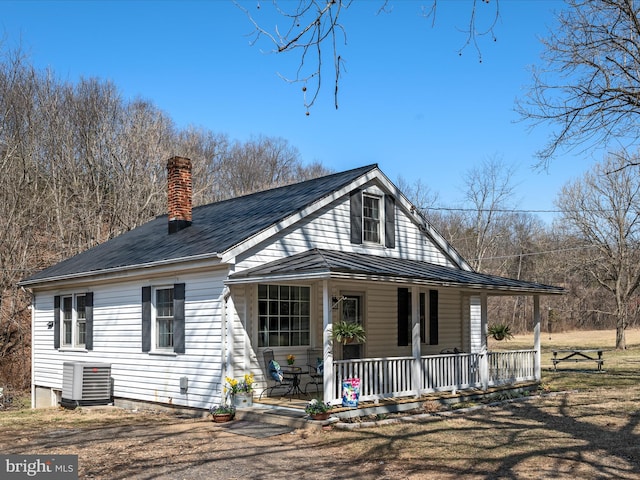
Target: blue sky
[(408, 101)]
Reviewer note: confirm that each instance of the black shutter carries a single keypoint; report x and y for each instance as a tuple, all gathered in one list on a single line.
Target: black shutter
[(178, 318), (404, 305), (88, 339), (56, 321), (146, 319), (389, 221), (423, 322), (356, 216), (433, 317)]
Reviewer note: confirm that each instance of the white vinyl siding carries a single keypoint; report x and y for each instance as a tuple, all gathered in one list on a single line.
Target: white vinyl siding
[(330, 229), (117, 341)]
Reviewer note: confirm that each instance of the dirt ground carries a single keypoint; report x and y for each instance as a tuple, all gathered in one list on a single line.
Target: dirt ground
[(574, 435), (124, 445)]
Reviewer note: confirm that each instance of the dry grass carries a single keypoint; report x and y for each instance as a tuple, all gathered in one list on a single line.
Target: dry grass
[(590, 432)]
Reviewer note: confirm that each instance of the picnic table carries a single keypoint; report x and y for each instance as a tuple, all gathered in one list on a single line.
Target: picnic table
[(575, 355)]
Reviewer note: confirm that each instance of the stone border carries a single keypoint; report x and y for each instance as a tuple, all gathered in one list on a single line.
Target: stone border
[(425, 417)]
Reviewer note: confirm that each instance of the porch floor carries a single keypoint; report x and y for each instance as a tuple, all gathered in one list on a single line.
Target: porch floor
[(290, 411)]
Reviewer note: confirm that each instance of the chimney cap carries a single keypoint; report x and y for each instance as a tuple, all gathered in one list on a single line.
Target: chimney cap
[(179, 162)]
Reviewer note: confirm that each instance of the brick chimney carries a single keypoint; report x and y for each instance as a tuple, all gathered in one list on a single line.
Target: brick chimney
[(180, 193)]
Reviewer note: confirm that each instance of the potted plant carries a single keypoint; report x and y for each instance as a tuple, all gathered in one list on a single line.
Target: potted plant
[(291, 359), (240, 391), (500, 331), (222, 413), (348, 332), (318, 410)]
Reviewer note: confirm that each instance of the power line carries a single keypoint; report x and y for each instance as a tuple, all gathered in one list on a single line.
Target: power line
[(530, 254), (500, 210)]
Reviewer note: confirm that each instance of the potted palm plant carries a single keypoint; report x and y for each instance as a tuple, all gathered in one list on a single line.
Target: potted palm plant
[(348, 332)]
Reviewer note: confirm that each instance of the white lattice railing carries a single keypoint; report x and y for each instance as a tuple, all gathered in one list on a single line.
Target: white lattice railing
[(394, 377)]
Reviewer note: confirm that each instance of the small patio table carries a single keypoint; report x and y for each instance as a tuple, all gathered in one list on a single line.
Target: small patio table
[(294, 374)]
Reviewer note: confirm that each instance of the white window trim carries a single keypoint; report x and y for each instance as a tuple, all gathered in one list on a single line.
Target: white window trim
[(155, 349), (74, 345), (311, 317), (381, 219)]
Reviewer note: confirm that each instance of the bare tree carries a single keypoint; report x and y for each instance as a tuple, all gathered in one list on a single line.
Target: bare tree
[(314, 30), (80, 166), (603, 208), (589, 87), (420, 194), (489, 189), (258, 164)]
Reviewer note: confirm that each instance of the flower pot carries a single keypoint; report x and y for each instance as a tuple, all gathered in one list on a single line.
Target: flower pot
[(320, 416), (222, 417), (242, 400)]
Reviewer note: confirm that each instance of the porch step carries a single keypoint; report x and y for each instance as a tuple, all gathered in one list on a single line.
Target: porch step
[(289, 417)]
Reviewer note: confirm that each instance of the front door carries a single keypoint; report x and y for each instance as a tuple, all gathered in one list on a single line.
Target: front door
[(352, 312)]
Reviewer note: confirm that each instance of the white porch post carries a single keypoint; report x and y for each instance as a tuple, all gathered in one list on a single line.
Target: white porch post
[(484, 352), (536, 337), (327, 355), (415, 341)]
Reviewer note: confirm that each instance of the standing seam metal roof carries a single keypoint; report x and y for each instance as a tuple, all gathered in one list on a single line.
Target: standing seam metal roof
[(319, 261)]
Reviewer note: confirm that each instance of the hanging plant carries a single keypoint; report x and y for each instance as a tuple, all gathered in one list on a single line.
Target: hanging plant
[(500, 331), (348, 332)]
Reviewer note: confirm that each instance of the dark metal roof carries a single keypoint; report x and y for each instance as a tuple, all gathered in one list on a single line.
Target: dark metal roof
[(329, 263), (216, 227)]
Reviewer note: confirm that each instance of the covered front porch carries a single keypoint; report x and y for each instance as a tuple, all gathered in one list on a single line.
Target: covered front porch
[(398, 377), (426, 325)]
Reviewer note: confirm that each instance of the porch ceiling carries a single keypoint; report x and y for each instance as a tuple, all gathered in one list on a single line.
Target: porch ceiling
[(318, 263)]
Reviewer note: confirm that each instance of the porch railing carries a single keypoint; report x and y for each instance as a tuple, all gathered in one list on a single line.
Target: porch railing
[(450, 372), (394, 377), (379, 377), (510, 367)]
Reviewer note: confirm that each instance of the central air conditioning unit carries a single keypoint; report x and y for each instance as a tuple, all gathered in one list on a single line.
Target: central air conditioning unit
[(85, 383)]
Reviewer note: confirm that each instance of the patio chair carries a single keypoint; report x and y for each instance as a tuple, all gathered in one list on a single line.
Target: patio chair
[(275, 377), (316, 369)]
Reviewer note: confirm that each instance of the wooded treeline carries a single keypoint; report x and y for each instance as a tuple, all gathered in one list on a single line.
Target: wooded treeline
[(79, 165)]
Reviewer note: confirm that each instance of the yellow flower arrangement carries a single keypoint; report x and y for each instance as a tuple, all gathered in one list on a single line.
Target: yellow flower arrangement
[(291, 359), (245, 385)]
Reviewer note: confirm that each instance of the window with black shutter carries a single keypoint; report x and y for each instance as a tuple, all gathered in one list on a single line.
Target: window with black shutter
[(163, 318)]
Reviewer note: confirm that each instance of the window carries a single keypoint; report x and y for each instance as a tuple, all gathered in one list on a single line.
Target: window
[(74, 319), (164, 318), (284, 317), (428, 333), (370, 219)]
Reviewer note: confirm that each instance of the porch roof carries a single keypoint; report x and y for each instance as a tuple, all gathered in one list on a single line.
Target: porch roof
[(319, 264)]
